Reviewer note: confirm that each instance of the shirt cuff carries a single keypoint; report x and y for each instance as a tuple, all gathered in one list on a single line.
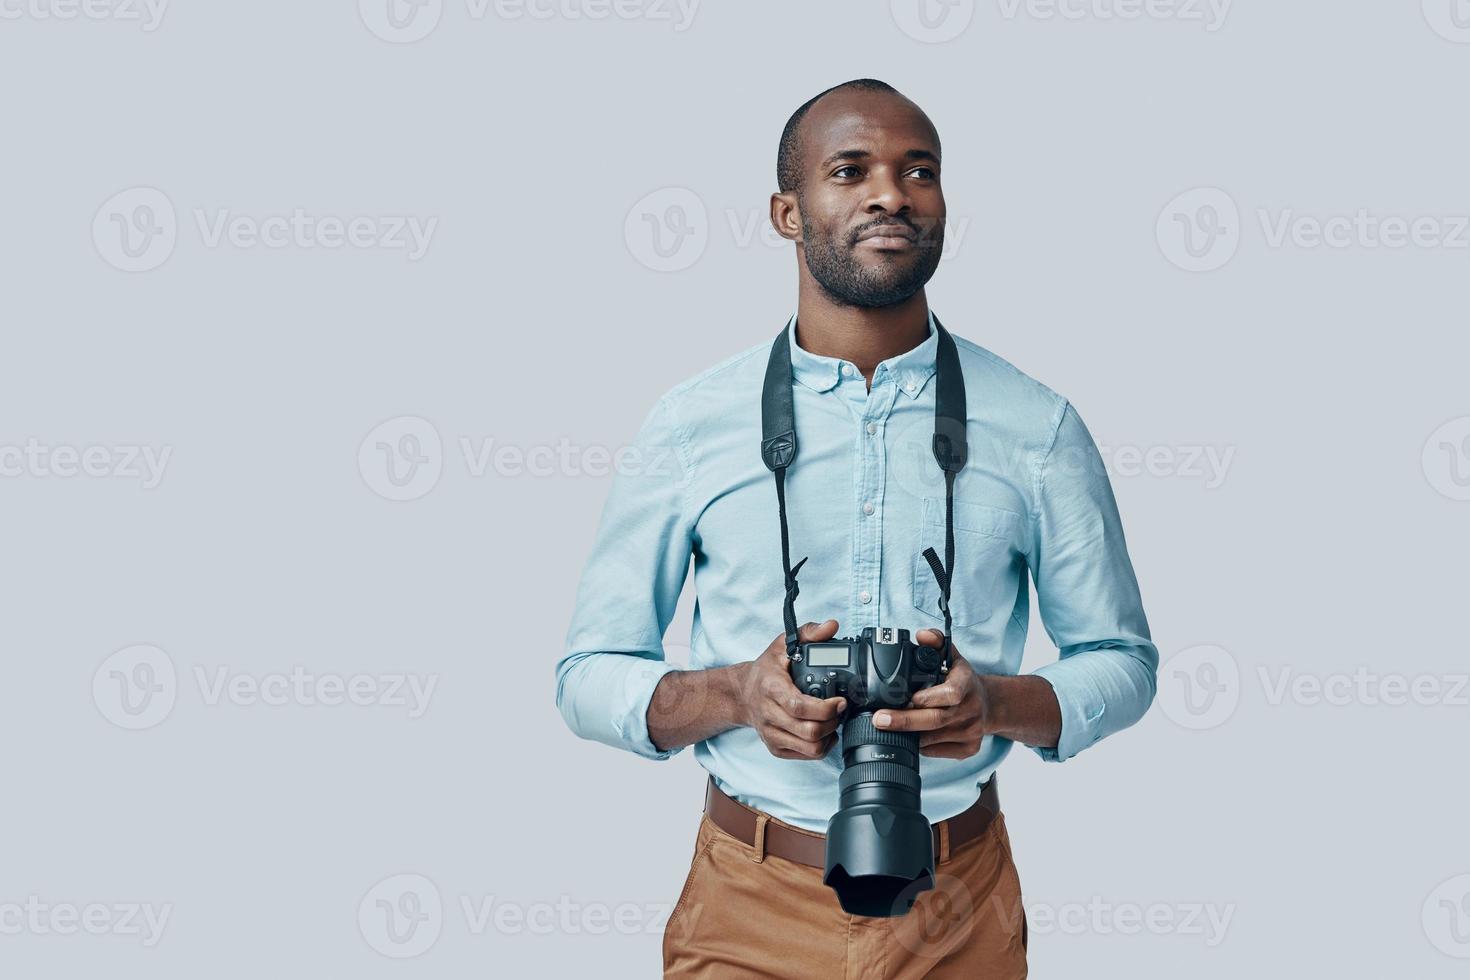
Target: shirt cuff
[(1082, 708), (632, 723)]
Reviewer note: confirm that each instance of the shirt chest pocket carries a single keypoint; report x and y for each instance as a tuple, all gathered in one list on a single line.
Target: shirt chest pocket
[(985, 556)]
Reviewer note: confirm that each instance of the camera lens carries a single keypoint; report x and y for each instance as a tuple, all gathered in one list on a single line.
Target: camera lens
[(879, 844)]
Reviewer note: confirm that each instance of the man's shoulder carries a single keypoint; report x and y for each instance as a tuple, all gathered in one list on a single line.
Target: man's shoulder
[(1000, 386), (734, 375)]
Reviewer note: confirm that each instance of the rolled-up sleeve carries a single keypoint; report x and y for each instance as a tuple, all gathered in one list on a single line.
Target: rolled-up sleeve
[(614, 655), (1087, 595)]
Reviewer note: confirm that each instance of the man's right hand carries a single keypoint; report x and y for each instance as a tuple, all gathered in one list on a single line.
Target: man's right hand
[(794, 725)]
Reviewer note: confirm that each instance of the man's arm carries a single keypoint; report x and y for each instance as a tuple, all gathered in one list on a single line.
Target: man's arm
[(1087, 596), (692, 705), (614, 656)]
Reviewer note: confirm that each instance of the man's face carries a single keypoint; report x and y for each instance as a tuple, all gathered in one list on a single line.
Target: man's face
[(872, 211)]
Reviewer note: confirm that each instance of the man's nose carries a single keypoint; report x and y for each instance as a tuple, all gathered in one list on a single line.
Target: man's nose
[(887, 193)]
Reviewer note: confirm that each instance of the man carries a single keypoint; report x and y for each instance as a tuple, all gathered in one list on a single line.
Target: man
[(859, 177)]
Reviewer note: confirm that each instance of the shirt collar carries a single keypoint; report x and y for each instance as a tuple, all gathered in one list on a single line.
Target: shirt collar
[(911, 370)]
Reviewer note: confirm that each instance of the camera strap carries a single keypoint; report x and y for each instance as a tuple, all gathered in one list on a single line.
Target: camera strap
[(778, 451)]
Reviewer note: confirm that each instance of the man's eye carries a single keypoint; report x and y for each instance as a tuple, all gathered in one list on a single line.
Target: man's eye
[(839, 172), (923, 173)]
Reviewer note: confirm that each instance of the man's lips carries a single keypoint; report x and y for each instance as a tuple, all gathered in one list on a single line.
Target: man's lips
[(888, 236)]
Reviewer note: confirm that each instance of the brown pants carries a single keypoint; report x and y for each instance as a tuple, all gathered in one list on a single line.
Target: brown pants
[(744, 914)]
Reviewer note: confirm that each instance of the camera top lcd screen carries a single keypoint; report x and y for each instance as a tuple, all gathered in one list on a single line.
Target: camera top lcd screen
[(827, 655)]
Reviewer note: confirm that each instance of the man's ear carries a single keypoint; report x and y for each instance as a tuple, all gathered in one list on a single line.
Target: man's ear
[(786, 215)]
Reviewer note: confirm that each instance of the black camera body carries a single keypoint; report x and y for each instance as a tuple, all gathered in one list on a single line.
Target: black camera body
[(881, 668)]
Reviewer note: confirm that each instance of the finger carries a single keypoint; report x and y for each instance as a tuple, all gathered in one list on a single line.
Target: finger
[(911, 720), (817, 632), (806, 730), (805, 633), (945, 695), (808, 708), (930, 637), (779, 689)]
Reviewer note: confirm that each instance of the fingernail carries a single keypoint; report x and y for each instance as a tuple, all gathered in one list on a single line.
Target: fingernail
[(841, 705), (882, 718)]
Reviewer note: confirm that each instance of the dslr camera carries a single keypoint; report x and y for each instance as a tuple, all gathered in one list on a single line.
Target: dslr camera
[(880, 848)]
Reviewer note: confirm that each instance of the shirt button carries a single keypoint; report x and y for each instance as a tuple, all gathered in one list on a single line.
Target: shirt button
[(872, 428), (865, 597), (867, 508), (910, 386), (847, 370)]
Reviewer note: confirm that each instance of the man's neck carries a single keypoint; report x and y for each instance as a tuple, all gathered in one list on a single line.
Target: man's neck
[(864, 336)]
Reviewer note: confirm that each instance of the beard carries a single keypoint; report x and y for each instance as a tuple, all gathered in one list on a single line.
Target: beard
[(833, 263)]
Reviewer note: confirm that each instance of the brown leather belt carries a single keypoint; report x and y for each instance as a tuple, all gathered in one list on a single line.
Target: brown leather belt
[(809, 848)]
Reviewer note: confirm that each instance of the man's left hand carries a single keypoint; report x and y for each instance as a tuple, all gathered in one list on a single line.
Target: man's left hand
[(952, 717)]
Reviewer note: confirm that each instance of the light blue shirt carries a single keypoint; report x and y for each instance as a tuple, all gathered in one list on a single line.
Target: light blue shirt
[(865, 498)]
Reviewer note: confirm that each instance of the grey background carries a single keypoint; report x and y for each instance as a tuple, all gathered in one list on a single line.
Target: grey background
[(1331, 834)]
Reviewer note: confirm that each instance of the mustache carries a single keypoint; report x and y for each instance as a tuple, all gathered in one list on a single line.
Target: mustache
[(923, 229)]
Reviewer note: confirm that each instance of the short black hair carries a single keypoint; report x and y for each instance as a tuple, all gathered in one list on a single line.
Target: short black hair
[(788, 157)]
